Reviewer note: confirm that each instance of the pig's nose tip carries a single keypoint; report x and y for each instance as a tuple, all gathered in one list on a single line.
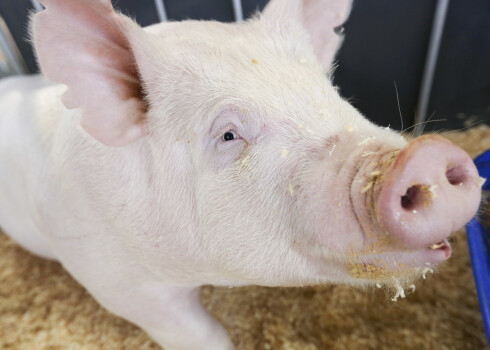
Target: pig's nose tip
[(432, 189)]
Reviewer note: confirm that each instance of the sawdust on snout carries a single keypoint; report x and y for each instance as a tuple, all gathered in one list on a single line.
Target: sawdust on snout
[(374, 180), (368, 271)]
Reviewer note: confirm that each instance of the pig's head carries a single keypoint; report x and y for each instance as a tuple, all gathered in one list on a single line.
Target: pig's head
[(264, 171)]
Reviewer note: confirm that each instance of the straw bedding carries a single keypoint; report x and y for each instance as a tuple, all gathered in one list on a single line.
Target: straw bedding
[(42, 307)]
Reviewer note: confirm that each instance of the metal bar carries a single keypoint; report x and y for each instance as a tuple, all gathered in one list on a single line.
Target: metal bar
[(7, 44), (162, 14), (238, 10), (4, 69), (430, 64), (37, 5)]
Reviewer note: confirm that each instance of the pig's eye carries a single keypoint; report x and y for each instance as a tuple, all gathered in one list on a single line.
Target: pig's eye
[(229, 136)]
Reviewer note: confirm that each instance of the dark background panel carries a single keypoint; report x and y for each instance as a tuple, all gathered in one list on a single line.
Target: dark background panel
[(15, 13), (461, 90), (385, 43), (142, 10), (220, 10), (250, 7)]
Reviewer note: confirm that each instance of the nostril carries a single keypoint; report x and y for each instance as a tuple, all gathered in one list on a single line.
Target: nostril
[(412, 198), (456, 175)]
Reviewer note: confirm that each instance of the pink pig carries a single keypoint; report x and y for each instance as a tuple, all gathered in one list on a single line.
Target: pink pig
[(196, 152)]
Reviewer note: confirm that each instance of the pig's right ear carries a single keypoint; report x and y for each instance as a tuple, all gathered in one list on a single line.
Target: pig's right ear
[(319, 18), (84, 44)]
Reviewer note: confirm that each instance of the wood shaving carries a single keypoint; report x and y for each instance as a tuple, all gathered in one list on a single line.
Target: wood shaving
[(367, 140), (481, 181), (400, 292), (367, 187), (425, 270)]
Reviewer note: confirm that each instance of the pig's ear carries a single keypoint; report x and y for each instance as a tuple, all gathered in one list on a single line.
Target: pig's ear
[(83, 44), (319, 18)]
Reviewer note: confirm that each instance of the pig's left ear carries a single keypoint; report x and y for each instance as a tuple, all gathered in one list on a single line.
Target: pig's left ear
[(319, 18), (84, 45)]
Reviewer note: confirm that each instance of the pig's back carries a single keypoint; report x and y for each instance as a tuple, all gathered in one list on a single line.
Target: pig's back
[(25, 136)]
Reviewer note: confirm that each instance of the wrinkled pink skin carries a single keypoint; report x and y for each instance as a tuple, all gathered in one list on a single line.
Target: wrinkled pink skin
[(309, 192)]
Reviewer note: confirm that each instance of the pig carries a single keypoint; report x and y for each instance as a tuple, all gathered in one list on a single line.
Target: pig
[(152, 161)]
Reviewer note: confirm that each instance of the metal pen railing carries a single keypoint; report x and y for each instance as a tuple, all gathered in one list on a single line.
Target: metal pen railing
[(37, 5), (162, 14), (430, 65), (16, 65)]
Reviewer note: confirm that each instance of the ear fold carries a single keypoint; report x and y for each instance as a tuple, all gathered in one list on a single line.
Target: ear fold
[(318, 17), (80, 43)]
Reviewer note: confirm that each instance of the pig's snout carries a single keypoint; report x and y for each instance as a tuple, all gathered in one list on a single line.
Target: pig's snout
[(430, 189)]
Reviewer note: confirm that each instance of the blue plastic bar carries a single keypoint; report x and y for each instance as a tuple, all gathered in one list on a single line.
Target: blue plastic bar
[(479, 251), (479, 245), (482, 163)]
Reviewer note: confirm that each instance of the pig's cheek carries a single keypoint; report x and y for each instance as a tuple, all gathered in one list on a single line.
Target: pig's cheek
[(328, 211), (224, 155)]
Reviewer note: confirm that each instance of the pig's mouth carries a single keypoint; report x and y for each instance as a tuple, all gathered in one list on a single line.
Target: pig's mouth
[(440, 245), (441, 250)]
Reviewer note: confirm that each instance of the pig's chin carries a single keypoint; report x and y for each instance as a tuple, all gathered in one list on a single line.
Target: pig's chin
[(389, 265)]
